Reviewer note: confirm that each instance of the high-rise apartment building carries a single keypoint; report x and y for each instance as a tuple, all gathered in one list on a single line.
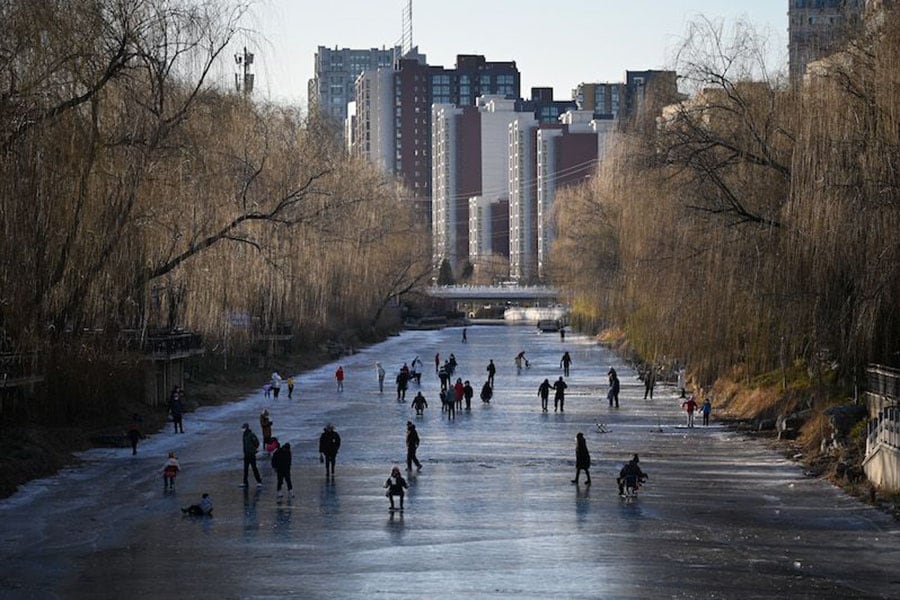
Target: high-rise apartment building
[(817, 28), (333, 85), (469, 169), (416, 86), (566, 155)]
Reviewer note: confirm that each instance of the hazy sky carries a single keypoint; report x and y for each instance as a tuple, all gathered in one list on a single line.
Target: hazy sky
[(556, 44)]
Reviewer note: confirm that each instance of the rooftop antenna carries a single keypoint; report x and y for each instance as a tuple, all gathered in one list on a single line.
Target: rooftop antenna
[(243, 80), (406, 41)]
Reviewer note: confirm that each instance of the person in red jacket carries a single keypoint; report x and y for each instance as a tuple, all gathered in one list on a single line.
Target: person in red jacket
[(339, 377), (690, 405)]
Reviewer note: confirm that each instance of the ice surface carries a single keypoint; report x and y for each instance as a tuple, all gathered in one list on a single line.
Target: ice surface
[(492, 513)]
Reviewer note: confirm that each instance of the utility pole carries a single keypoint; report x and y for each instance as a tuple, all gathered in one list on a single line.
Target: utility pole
[(243, 79)]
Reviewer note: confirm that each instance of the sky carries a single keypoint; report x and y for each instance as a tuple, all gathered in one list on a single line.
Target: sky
[(555, 44)]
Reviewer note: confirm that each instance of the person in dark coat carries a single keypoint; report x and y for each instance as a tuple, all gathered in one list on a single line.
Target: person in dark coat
[(487, 392), (544, 394), (565, 363), (582, 459), (396, 485), (281, 462), (176, 407), (559, 396), (402, 384), (420, 404), (134, 432), (412, 445), (329, 444), (250, 445), (631, 475), (468, 392), (613, 394), (649, 381), (491, 371)]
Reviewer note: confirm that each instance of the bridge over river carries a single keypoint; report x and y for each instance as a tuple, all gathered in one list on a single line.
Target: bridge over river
[(541, 294)]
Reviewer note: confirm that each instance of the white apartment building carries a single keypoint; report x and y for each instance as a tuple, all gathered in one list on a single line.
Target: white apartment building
[(445, 216), (522, 198), (372, 120)]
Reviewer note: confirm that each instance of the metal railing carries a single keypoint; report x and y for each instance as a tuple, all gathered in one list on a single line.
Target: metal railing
[(884, 428)]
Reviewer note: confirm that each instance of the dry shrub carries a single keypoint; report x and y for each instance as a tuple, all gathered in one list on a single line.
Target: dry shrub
[(813, 432)]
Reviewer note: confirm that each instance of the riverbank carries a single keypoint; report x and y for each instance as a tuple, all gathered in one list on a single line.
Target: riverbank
[(31, 450), (791, 415)]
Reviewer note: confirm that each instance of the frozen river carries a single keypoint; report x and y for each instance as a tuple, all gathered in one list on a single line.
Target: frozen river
[(491, 515)]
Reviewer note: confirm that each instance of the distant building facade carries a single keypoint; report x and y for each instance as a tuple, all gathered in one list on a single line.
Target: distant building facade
[(407, 104), (602, 99), (333, 85), (818, 28)]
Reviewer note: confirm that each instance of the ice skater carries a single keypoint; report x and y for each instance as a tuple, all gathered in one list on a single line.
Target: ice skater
[(412, 446), (649, 381), (613, 394), (265, 426), (176, 407), (395, 486), (689, 406), (705, 409), (134, 432), (630, 477), (169, 471), (402, 383), (379, 371), (339, 378), (281, 462), (448, 401), (250, 444), (420, 404), (468, 392), (491, 371), (544, 394), (582, 459), (329, 444), (565, 362), (487, 392), (559, 396), (465, 338)]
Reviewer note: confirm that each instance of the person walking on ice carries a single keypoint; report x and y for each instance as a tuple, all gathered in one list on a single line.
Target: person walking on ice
[(491, 371), (339, 378), (250, 445), (281, 462), (329, 444), (396, 486), (565, 362), (544, 394), (582, 459), (559, 397), (705, 409), (379, 371), (170, 470), (690, 405), (412, 445), (649, 381), (420, 404), (613, 394)]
